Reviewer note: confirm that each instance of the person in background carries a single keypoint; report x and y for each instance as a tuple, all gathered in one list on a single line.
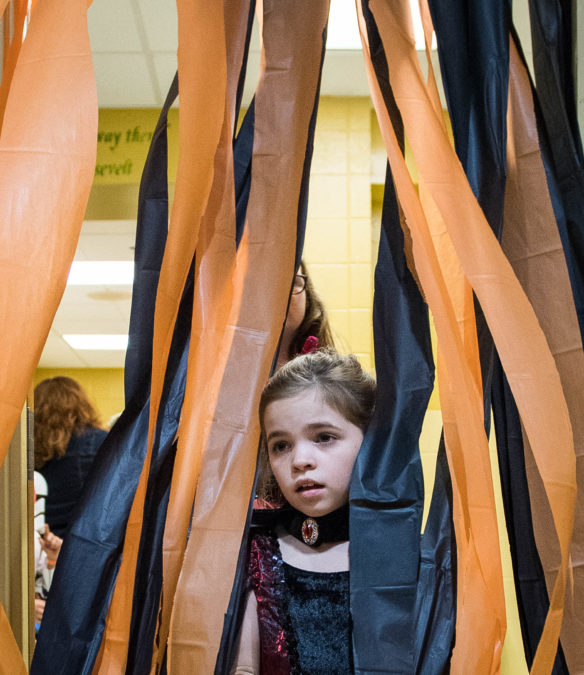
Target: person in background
[(46, 551), (307, 327), (67, 436)]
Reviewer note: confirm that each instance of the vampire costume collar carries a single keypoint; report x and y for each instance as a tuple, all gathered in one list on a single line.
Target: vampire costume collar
[(311, 531)]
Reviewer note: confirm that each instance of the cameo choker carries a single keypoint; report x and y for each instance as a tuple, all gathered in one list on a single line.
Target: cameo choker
[(314, 531)]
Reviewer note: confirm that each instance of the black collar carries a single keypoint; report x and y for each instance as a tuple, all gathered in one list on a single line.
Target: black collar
[(332, 527)]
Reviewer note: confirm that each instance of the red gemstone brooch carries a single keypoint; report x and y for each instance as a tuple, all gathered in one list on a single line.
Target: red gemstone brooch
[(310, 531)]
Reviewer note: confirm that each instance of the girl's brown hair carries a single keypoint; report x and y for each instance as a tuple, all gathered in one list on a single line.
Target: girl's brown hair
[(315, 321), (61, 409), (343, 385)]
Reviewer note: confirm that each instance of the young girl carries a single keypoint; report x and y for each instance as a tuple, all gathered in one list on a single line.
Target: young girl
[(313, 414)]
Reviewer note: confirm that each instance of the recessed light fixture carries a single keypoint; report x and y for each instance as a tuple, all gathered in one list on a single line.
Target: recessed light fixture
[(101, 273), (97, 342)]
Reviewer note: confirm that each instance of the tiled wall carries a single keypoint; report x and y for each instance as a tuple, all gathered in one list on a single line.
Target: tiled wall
[(338, 230)]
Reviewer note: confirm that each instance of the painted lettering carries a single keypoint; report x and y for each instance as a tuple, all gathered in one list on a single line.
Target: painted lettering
[(136, 135), (112, 138), (119, 169)]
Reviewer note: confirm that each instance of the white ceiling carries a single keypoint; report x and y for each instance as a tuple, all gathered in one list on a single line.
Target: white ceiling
[(134, 50)]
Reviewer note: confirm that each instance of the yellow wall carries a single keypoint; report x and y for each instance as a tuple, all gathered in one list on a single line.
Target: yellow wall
[(338, 229), (104, 386)]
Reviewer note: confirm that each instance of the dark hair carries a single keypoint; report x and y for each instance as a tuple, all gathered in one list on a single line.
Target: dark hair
[(61, 409), (343, 385), (315, 321)]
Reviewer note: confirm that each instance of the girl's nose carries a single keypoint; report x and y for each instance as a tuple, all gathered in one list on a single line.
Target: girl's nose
[(303, 457)]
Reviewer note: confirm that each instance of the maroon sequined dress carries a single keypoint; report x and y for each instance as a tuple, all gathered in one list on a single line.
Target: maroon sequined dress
[(304, 618)]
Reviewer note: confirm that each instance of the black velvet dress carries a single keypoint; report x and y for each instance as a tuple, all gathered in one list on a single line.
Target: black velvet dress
[(304, 617)]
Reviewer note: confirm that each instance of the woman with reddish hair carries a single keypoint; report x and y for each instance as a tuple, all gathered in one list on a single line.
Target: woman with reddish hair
[(67, 436)]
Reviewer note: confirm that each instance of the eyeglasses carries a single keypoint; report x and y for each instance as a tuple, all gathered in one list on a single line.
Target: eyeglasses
[(299, 284)]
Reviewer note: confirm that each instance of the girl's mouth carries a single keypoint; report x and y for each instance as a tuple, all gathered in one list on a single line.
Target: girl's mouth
[(308, 487)]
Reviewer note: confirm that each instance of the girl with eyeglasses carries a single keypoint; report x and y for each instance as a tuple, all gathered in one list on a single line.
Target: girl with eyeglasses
[(306, 320)]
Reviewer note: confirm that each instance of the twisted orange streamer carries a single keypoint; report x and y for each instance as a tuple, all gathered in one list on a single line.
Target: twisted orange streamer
[(12, 52), (202, 86), (532, 243), (521, 344), (479, 567), (219, 279), (47, 159), (292, 43)]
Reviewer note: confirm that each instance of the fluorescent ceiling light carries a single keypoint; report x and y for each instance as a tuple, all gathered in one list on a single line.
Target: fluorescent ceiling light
[(97, 342), (343, 29), (101, 273)]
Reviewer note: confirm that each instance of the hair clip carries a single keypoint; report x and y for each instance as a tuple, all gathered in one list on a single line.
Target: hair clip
[(310, 345)]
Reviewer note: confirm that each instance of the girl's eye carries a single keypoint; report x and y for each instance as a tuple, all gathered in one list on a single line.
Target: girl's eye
[(278, 447), (324, 437)]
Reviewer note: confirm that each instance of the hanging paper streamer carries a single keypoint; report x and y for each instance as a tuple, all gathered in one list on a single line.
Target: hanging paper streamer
[(220, 269), (396, 600), (12, 50), (47, 156), (533, 246), (93, 542), (243, 167), (292, 47), (202, 82), (483, 575), (552, 32), (428, 141), (47, 153)]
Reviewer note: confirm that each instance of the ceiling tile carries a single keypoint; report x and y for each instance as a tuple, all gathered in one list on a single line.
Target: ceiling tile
[(58, 354), (106, 247), (112, 27), (123, 81), (108, 227), (160, 24), (165, 67), (112, 359)]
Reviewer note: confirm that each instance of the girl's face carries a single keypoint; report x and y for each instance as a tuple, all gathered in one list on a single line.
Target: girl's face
[(312, 449)]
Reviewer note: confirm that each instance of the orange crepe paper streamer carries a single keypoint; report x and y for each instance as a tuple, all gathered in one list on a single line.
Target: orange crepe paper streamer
[(483, 533), (521, 344), (11, 662), (5, 33), (202, 86), (213, 337), (479, 566), (460, 292), (219, 278), (292, 46), (12, 53), (458, 287), (533, 246), (476, 486), (47, 159)]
